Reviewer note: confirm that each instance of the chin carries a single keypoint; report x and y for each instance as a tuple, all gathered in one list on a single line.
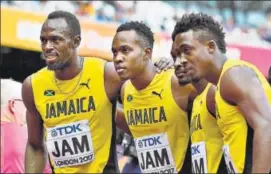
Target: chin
[(184, 82), (58, 65), (123, 77), (196, 79)]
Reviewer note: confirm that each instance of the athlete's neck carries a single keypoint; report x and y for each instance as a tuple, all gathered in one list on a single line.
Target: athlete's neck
[(145, 77), (71, 71), (216, 69), (200, 85)]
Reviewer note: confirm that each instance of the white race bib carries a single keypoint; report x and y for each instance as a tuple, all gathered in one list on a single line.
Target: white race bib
[(70, 144), (199, 160), (154, 154), (228, 160)]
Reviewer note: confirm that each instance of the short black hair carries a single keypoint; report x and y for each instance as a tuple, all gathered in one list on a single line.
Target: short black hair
[(201, 21), (141, 29), (71, 20)]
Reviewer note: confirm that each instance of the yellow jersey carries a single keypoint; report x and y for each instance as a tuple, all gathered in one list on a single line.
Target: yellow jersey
[(158, 125), (237, 134), (206, 139), (77, 117)]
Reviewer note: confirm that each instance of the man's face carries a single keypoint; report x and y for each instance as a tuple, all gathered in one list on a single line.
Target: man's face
[(192, 55), (57, 43), (182, 67), (128, 54)]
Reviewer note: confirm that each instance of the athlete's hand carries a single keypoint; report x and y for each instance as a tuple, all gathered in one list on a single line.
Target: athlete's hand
[(163, 64)]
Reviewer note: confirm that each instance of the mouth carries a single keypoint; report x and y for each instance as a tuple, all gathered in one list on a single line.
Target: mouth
[(50, 58), (180, 72), (181, 75), (120, 69)]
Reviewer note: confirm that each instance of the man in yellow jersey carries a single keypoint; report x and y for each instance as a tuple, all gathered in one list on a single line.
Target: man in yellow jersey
[(72, 103), (243, 95), (206, 138), (155, 105)]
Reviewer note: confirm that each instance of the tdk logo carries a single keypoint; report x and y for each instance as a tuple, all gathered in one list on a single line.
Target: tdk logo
[(66, 130), (195, 150), (152, 141)]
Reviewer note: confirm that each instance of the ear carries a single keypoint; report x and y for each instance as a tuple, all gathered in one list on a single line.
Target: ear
[(211, 46), (76, 41), (147, 54), (11, 106)]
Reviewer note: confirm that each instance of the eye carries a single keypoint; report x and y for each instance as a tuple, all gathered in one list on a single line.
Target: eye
[(186, 50), (125, 50), (114, 52), (43, 41), (55, 39)]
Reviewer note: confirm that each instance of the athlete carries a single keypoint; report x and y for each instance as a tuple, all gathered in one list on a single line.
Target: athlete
[(206, 138), (243, 95), (155, 105), (70, 102)]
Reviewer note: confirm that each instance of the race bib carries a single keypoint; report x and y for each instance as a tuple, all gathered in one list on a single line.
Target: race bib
[(70, 144), (154, 154), (199, 161), (228, 160)]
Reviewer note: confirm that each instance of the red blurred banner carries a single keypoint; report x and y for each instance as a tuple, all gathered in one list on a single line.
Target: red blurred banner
[(260, 57)]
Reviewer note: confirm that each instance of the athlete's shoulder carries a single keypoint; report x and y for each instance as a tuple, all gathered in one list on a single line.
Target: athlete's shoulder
[(42, 70), (166, 74), (237, 62), (41, 74)]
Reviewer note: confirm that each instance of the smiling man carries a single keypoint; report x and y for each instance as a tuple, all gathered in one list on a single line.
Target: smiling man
[(73, 99), (71, 102)]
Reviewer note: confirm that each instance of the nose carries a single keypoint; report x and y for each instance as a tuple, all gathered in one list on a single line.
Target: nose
[(48, 46), (118, 58), (180, 61)]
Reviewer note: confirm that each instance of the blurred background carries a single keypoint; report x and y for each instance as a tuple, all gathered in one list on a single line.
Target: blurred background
[(247, 25)]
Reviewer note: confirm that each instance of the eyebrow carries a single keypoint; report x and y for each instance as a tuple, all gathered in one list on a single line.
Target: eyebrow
[(54, 35), (184, 45), (121, 46)]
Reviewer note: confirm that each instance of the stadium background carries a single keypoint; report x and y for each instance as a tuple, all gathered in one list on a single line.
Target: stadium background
[(247, 25)]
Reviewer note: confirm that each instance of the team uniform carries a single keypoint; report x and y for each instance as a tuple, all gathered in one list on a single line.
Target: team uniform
[(78, 119), (158, 125), (207, 142), (237, 134)]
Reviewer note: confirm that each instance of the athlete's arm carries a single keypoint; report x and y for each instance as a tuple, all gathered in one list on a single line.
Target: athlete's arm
[(241, 86), (120, 118), (183, 94), (112, 81), (211, 100), (35, 156)]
